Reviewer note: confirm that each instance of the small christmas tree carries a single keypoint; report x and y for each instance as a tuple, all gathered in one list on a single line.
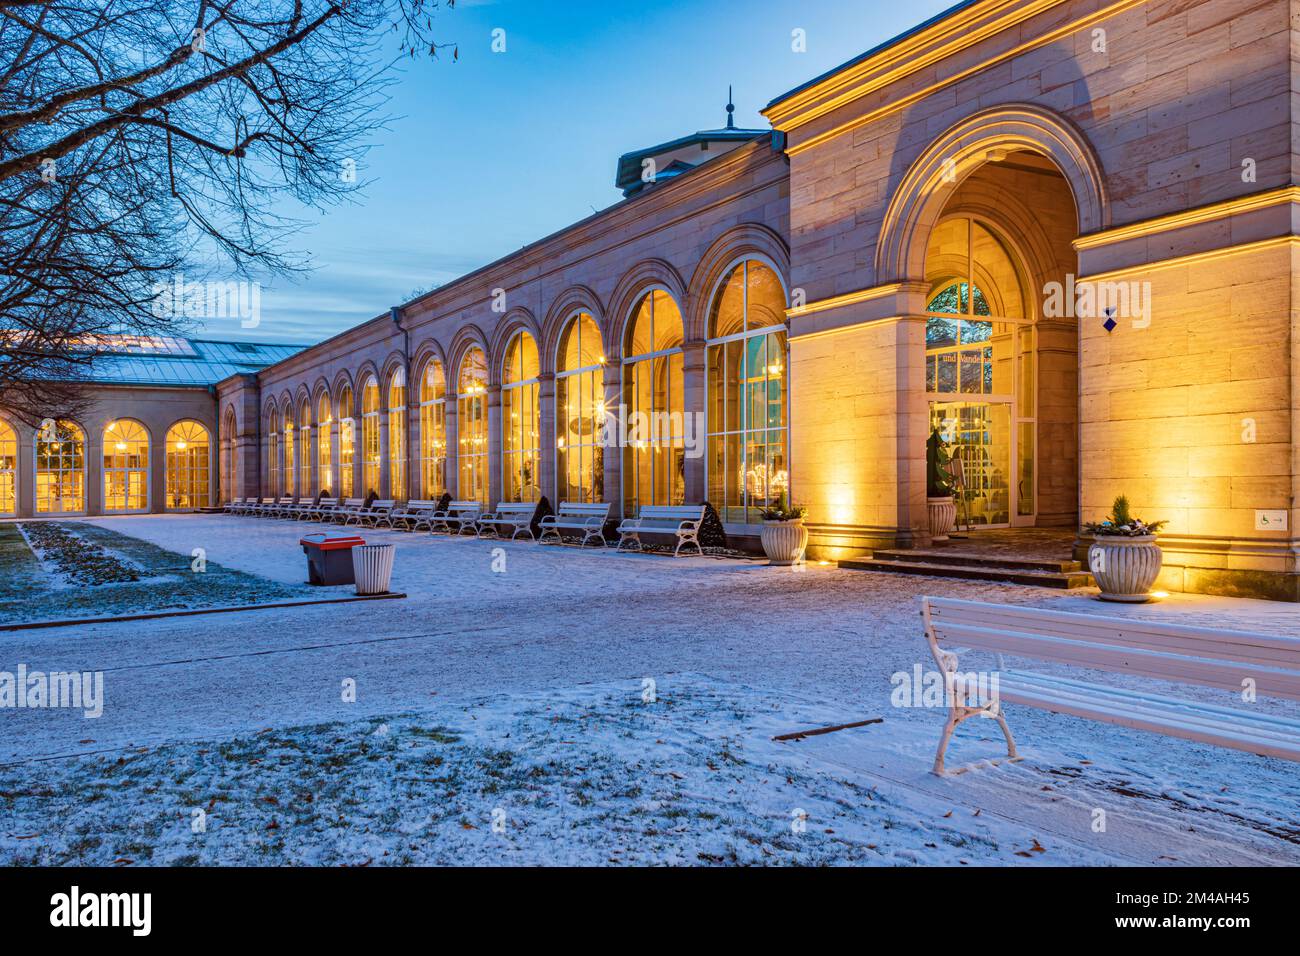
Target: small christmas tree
[(712, 533)]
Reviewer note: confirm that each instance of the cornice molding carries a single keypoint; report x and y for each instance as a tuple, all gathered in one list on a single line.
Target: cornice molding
[(1191, 217), (891, 66)]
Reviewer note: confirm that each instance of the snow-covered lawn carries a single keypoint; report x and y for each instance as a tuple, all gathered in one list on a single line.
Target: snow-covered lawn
[(521, 692)]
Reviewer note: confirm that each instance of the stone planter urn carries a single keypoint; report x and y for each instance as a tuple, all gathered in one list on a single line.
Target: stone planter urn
[(1125, 568), (943, 516), (784, 541)]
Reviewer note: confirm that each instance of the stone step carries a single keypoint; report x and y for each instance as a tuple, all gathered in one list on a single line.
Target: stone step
[(969, 559), (1062, 580)]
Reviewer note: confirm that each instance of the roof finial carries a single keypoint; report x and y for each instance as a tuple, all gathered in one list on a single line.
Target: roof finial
[(731, 110)]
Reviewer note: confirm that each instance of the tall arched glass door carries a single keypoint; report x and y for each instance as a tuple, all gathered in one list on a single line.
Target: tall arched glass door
[(433, 429), (370, 450), (126, 467), (8, 469), (188, 455), (472, 427), (746, 359), (979, 369), (304, 448), (580, 412), (273, 455), (521, 451), (60, 468), (347, 444), (290, 473), (654, 391), (324, 445)]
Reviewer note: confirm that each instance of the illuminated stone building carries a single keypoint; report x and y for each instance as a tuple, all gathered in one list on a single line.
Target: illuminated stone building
[(1061, 232)]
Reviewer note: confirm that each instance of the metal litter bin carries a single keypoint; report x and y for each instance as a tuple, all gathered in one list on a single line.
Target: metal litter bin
[(372, 564), (329, 558)]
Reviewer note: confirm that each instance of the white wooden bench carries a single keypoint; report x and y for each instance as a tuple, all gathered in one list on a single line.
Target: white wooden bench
[(585, 517), (318, 511), (345, 509), (457, 517), (1179, 654), (517, 515), (379, 513), (680, 521), (355, 510), (414, 513), (237, 505), (280, 507), (296, 511), (258, 508)]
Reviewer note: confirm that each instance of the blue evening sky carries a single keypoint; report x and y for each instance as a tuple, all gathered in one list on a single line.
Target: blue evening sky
[(500, 149)]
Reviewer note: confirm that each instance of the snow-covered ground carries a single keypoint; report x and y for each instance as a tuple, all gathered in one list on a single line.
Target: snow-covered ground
[(538, 670)]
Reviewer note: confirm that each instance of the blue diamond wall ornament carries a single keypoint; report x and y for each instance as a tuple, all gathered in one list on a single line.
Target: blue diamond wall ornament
[(1110, 323)]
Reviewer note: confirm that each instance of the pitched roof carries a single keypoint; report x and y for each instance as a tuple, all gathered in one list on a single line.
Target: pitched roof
[(180, 362)]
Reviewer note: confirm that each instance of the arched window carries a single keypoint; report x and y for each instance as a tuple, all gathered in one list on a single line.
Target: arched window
[(8, 469), (290, 473), (370, 457), (433, 428), (60, 468), (472, 427), (521, 453), (304, 447), (397, 435), (979, 368), (324, 451), (347, 444), (229, 458), (654, 404), (746, 362), (273, 455), (188, 454), (580, 412), (126, 467)]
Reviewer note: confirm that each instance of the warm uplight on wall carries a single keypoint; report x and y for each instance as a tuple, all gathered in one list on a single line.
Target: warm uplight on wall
[(841, 500)]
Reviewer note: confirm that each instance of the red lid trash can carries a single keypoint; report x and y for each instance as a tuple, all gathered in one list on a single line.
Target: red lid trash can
[(329, 558)]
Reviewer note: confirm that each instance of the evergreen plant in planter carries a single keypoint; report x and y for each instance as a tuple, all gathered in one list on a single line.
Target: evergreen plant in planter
[(1124, 558), (784, 537), (940, 507)]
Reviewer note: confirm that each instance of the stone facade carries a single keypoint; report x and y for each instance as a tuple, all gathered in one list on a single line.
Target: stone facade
[(1172, 124), (155, 409), (1147, 146), (682, 236)]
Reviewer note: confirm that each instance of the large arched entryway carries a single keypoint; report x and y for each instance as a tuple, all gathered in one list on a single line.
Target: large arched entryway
[(1001, 378)]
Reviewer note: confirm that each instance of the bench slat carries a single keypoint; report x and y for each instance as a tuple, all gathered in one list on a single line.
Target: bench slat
[(1191, 711), (1177, 654), (1242, 646), (1225, 675), (1223, 734)]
